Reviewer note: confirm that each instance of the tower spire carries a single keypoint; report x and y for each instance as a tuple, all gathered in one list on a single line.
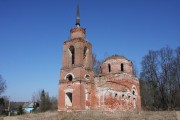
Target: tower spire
[(78, 17)]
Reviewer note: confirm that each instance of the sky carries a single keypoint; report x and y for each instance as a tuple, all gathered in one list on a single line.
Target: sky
[(32, 33)]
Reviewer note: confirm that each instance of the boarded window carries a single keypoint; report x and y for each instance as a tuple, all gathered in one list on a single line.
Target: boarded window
[(72, 54), (109, 67)]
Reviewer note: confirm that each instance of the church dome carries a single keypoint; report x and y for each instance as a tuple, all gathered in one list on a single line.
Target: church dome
[(116, 64)]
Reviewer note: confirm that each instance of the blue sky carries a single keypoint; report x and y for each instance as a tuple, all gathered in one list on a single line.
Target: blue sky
[(32, 33)]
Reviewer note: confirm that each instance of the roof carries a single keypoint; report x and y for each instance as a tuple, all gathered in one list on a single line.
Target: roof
[(115, 57), (15, 105), (28, 105)]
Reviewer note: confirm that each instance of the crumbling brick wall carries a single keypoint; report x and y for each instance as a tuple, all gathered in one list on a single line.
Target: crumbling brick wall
[(117, 88)]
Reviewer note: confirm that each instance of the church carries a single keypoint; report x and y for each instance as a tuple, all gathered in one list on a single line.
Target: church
[(116, 88)]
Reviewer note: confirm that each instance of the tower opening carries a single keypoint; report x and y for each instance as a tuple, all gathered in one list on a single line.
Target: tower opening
[(122, 95), (87, 77), (116, 95), (68, 99), (69, 77), (72, 53), (85, 50), (122, 67), (109, 67), (133, 92)]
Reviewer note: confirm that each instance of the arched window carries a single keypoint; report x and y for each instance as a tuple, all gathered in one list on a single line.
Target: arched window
[(72, 53), (69, 77), (122, 95), (85, 50), (122, 67), (133, 92), (116, 95), (87, 77), (109, 67)]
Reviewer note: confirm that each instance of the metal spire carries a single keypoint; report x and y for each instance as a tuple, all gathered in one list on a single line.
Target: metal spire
[(78, 17)]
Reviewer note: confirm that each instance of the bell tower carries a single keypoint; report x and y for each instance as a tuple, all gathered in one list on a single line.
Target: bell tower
[(76, 74)]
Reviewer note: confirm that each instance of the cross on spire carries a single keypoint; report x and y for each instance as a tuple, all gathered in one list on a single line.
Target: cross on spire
[(78, 17)]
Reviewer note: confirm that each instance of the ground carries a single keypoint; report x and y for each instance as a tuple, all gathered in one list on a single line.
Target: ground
[(97, 115)]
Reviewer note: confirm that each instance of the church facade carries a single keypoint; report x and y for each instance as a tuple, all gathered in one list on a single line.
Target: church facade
[(115, 88)]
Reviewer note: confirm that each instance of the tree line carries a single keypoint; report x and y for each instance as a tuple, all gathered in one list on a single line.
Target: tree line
[(44, 101), (160, 79), (159, 82)]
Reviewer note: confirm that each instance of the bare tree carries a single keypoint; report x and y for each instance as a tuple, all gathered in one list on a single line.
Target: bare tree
[(151, 79), (45, 102), (2, 85), (160, 75), (54, 103), (177, 63), (167, 77), (96, 65), (36, 96), (4, 102), (177, 75), (135, 70)]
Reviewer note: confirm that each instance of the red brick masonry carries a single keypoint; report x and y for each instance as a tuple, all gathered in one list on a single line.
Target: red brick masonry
[(115, 88)]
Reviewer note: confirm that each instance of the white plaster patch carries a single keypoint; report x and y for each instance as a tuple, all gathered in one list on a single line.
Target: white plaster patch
[(68, 90), (69, 74)]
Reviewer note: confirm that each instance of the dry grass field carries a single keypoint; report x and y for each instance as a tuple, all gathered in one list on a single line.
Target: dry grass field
[(97, 115)]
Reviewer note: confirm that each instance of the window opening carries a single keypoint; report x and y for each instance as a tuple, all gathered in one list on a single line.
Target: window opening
[(69, 77), (68, 99), (72, 53), (109, 67), (122, 95), (87, 77), (85, 50), (122, 67), (133, 92)]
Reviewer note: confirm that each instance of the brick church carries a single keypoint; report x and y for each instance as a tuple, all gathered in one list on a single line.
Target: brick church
[(115, 88)]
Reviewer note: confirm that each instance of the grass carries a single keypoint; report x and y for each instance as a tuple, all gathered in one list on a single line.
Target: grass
[(98, 115)]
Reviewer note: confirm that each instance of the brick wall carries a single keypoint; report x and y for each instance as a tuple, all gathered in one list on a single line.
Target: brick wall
[(116, 88)]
